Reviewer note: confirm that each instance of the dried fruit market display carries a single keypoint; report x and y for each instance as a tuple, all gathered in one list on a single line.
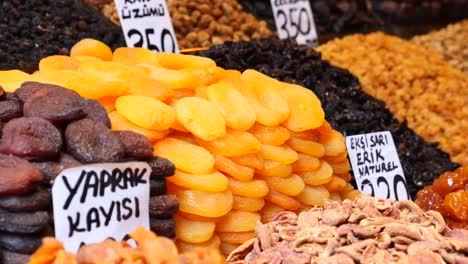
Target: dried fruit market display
[(449, 196), (366, 230), (348, 109), (46, 129), (417, 85), (450, 43)]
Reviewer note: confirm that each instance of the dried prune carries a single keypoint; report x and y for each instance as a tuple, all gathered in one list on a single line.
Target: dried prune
[(32, 138), (161, 167), (166, 227), (17, 176), (23, 223), (2, 93), (40, 199), (163, 206), (92, 142), (55, 105), (135, 145), (10, 257), (95, 111), (27, 89), (157, 187), (51, 169), (20, 243), (10, 109)]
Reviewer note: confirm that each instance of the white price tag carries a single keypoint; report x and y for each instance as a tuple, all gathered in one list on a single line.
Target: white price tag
[(147, 23), (99, 201), (294, 19), (376, 166)]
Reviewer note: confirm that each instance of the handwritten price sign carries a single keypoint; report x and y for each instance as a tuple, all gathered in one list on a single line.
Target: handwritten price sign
[(147, 23), (294, 19)]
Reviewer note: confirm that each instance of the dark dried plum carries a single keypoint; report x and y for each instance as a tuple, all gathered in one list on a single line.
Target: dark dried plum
[(55, 105), (9, 257), (51, 169), (163, 206), (166, 227), (10, 109), (27, 89), (95, 111), (31, 138), (23, 223), (17, 176), (20, 243), (136, 145), (157, 187), (92, 142), (161, 167), (2, 93), (38, 200)]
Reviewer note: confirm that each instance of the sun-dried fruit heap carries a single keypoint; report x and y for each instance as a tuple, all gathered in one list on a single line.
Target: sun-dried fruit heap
[(366, 230), (348, 109), (416, 84), (449, 196), (244, 145), (59, 130), (152, 249)]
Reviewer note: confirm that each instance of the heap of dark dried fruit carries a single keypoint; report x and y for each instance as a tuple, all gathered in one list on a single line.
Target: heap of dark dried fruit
[(46, 129), (34, 29), (348, 109)]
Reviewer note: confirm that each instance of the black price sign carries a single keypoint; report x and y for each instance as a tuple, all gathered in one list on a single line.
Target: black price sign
[(294, 19), (147, 24)]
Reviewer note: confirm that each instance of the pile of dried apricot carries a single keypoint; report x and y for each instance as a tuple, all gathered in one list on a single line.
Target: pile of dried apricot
[(449, 196), (245, 145)]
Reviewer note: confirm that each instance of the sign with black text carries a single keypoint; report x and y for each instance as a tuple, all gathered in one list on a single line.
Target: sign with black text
[(99, 201), (147, 24), (376, 166), (294, 20)]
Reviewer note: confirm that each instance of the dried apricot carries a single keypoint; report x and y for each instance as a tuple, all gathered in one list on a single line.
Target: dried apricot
[(456, 204), (211, 182), (17, 176), (306, 146), (187, 137), (335, 197), (156, 114), (201, 118), (314, 195), (272, 135), (283, 200), (236, 237), (311, 135), (91, 47), (95, 111), (199, 218), (136, 146), (234, 143), (239, 172), (273, 168), (282, 153), (187, 157), (193, 231), (134, 56), (238, 221), (292, 185), (184, 247), (269, 211), (10, 109), (58, 62), (337, 158), (12, 79), (252, 189), (174, 79), (119, 122), (227, 248), (249, 204), (253, 160), (146, 86), (318, 177), (334, 144), (108, 103), (305, 163), (179, 61), (341, 168), (336, 184)]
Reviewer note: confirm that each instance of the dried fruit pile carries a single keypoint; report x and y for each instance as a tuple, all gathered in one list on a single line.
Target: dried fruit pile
[(450, 43), (245, 145), (367, 230), (449, 196), (46, 129), (416, 85), (151, 250), (31, 30), (207, 23), (348, 109)]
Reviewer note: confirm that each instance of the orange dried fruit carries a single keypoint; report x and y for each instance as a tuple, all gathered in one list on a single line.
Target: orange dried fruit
[(185, 247), (253, 160), (58, 62), (337, 158), (269, 211), (341, 168), (108, 103), (146, 86), (283, 200), (227, 248), (121, 123), (346, 176), (201, 118), (238, 221), (273, 168), (176, 61), (193, 231), (311, 135), (232, 105), (305, 163), (12, 79), (307, 147), (350, 195), (174, 79), (93, 48), (292, 185), (456, 204), (272, 135), (334, 144), (186, 157), (134, 56), (252, 189), (234, 143), (281, 153), (336, 184), (200, 92), (85, 59), (187, 137), (239, 172), (236, 237), (248, 204), (335, 197), (318, 177), (199, 218), (211, 182), (313, 195)]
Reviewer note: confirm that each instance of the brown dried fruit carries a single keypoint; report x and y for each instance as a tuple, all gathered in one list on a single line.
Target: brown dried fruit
[(23, 223), (157, 187), (10, 257), (2, 93), (20, 243), (92, 142), (17, 176), (10, 109), (27, 89), (135, 145), (161, 167), (166, 227), (31, 138), (51, 169), (163, 206), (38, 200), (95, 111)]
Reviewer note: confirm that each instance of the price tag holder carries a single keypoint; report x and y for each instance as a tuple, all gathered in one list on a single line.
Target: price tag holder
[(147, 24), (376, 166), (99, 201), (294, 19)]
